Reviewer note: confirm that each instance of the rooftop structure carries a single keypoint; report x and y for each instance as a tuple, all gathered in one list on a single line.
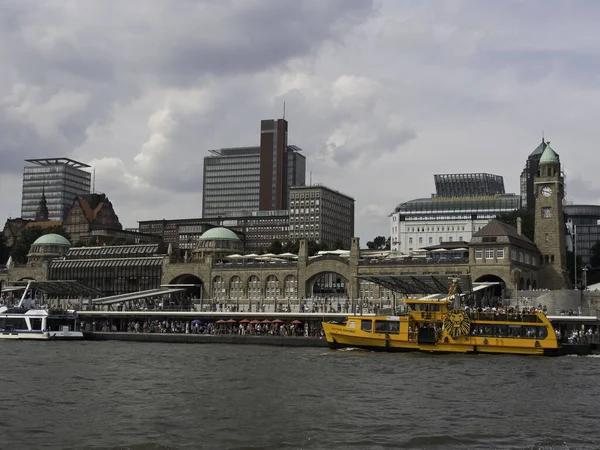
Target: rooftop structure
[(468, 185), (54, 161)]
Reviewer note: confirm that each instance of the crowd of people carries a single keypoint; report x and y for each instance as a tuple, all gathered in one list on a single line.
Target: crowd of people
[(205, 327)]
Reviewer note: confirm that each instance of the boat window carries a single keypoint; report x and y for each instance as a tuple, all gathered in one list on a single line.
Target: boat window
[(380, 326), (529, 332), (394, 327), (514, 331), (542, 332), (57, 324), (366, 325), (36, 324), (352, 324), (500, 331), (387, 326), (15, 323)]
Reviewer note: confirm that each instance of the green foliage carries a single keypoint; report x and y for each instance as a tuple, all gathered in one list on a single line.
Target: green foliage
[(313, 248), (29, 236), (291, 247), (379, 243), (527, 221), (275, 247), (338, 245), (595, 258), (4, 251)]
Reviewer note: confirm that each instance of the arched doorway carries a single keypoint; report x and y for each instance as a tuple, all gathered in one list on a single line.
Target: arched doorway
[(193, 284), (328, 285), (489, 290)]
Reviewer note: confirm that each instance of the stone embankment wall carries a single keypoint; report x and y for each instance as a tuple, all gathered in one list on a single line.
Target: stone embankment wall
[(282, 341), (556, 301)]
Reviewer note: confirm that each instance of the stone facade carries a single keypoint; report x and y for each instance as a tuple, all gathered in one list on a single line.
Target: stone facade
[(549, 222), (89, 212)]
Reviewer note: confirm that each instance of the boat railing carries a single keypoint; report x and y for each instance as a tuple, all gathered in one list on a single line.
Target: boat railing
[(504, 317)]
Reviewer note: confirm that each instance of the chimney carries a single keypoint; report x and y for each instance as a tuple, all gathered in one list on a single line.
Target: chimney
[(519, 226)]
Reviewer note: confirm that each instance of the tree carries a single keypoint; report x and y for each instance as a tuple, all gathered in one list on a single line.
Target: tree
[(595, 259), (291, 247), (527, 221), (338, 245), (4, 251), (29, 236), (313, 247), (379, 243), (276, 247)]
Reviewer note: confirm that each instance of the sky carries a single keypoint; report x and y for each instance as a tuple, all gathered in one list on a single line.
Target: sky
[(380, 95)]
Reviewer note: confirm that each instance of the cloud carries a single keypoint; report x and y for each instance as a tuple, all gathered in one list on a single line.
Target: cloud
[(379, 95)]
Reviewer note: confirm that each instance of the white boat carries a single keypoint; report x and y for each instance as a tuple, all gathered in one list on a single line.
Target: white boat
[(28, 322)]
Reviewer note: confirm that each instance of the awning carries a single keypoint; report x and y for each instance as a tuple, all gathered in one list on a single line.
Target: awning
[(421, 284), (121, 298), (60, 288)]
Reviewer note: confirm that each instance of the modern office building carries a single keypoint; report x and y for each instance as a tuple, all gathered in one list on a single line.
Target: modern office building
[(583, 225), (424, 222), (59, 180), (252, 178), (321, 214), (468, 185)]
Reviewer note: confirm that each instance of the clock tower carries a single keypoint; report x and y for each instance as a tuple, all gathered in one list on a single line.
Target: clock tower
[(550, 223)]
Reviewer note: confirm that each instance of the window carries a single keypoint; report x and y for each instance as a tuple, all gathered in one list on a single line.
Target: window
[(410, 240), (489, 253), (460, 238), (478, 253), (431, 240), (366, 325), (420, 240), (500, 253), (546, 212)]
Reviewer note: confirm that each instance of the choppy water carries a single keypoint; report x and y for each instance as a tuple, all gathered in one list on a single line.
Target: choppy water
[(113, 395)]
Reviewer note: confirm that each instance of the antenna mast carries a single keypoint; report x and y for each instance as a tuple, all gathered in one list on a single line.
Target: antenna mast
[(284, 110), (94, 181)]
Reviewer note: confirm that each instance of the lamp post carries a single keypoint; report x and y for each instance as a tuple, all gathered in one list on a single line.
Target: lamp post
[(584, 270), (575, 255)]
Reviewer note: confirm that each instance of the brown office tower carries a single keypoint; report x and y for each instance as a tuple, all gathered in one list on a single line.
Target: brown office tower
[(273, 165)]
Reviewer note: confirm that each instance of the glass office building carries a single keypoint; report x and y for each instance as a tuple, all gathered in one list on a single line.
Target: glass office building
[(231, 181), (60, 180)]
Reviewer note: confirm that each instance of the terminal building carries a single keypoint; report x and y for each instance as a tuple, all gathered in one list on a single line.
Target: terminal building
[(461, 206)]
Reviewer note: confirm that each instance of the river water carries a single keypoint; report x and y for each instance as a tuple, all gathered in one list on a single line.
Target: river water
[(119, 395)]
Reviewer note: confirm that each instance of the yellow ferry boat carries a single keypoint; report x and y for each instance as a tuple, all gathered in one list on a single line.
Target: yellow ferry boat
[(435, 326)]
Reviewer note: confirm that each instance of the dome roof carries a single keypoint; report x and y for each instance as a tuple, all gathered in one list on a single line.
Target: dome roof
[(219, 233), (549, 156), (52, 239)]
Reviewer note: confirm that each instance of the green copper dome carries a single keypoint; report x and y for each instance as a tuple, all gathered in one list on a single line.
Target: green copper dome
[(549, 156), (219, 233), (52, 239)]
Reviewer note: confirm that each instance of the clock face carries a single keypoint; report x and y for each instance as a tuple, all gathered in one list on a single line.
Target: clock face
[(546, 191)]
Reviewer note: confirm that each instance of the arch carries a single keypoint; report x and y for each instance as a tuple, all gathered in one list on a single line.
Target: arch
[(493, 291), (219, 291), (290, 287), (328, 284), (271, 287), (534, 285), (521, 284), (328, 264), (253, 288), (236, 288), (196, 286), (528, 285)]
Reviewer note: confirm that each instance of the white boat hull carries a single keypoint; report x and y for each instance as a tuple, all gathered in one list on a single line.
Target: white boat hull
[(42, 335)]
